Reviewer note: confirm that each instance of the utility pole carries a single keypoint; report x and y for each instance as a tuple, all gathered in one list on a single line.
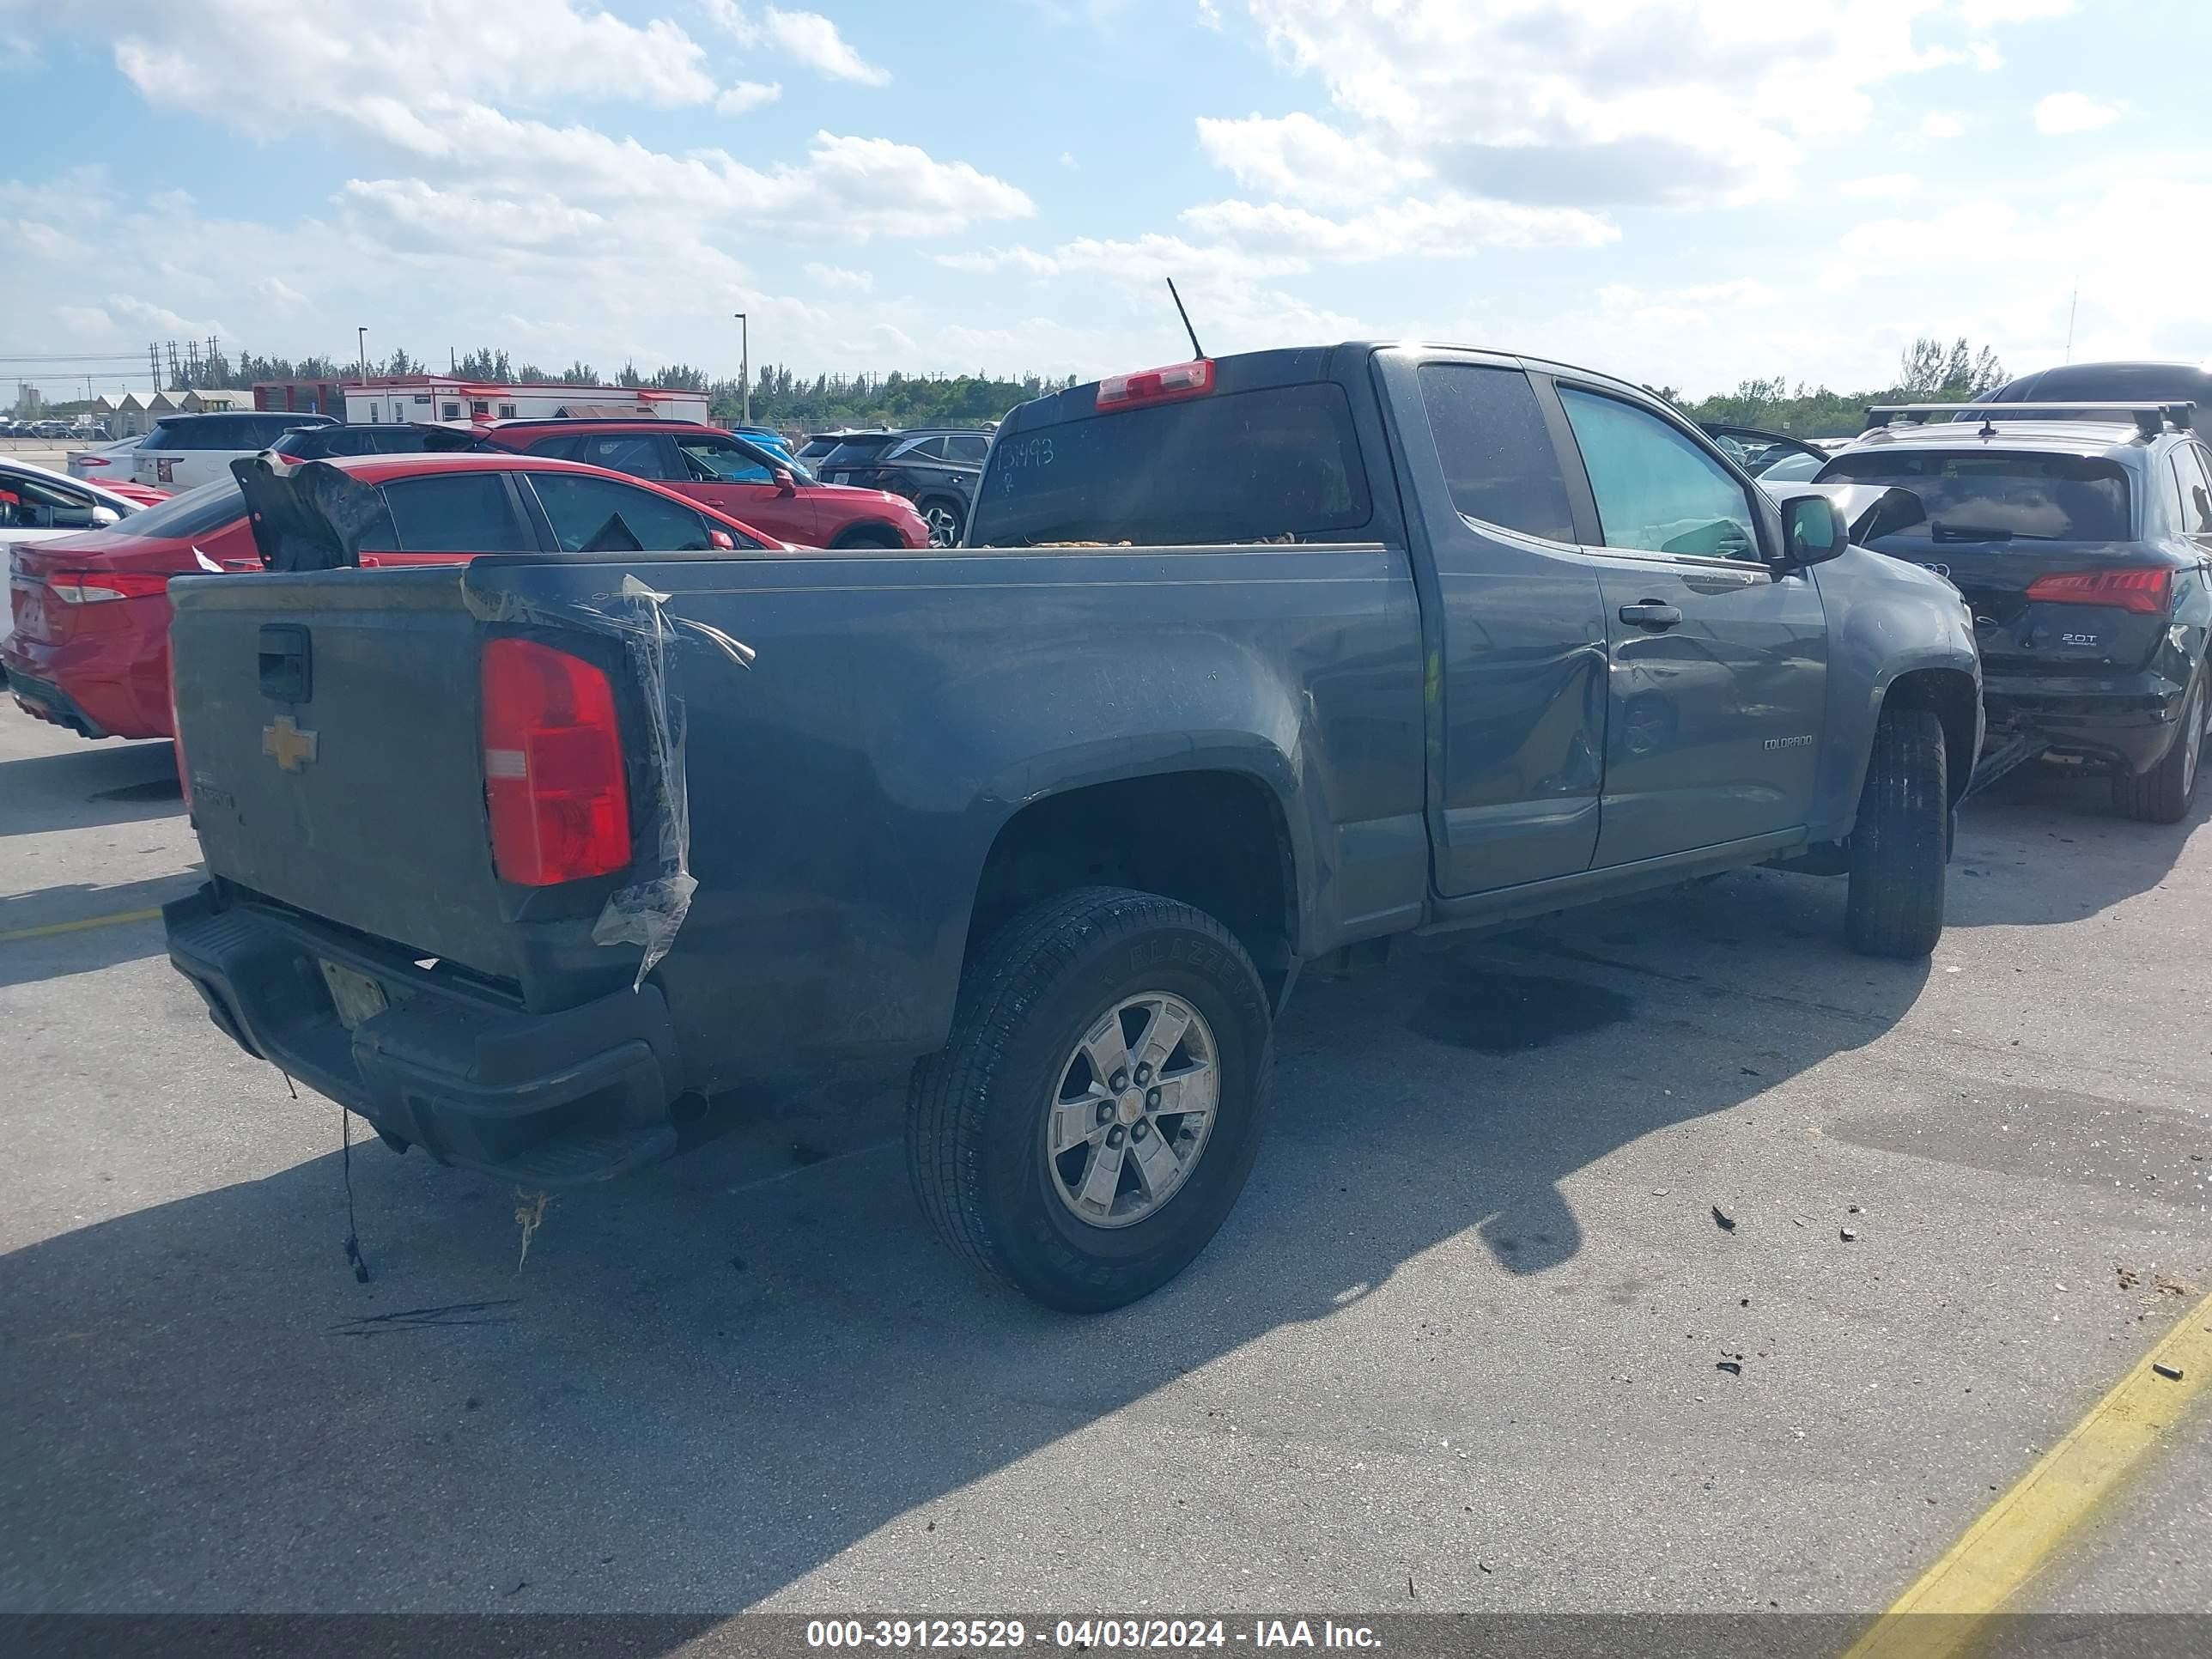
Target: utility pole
[(361, 340), (745, 368)]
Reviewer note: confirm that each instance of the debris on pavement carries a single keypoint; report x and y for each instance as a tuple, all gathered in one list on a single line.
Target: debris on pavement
[(1726, 1222), (1850, 1235), (529, 1215), (2171, 1373)]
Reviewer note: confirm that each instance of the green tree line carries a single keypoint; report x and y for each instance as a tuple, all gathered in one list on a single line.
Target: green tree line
[(1929, 371), (782, 396)]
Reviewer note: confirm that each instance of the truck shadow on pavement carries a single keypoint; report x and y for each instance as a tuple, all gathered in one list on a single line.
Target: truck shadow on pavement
[(709, 1382), (101, 783)]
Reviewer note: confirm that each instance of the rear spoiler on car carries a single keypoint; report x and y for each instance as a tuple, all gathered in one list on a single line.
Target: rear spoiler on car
[(2149, 418)]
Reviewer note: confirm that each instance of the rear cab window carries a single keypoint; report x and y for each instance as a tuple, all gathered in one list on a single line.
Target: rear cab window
[(1982, 496), (1497, 453), (1271, 464)]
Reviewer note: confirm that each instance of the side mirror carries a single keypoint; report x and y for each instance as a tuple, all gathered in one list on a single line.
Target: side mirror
[(1812, 532), (720, 540), (103, 516), (785, 484)]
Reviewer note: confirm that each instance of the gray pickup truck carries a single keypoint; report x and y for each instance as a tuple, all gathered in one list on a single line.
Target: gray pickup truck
[(1269, 659)]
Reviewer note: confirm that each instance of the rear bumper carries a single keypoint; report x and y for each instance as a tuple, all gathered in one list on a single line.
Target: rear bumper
[(43, 700), (110, 684), (549, 1099), (2127, 721)]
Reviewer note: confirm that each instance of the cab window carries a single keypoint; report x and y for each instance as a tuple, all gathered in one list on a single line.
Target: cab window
[(1657, 492)]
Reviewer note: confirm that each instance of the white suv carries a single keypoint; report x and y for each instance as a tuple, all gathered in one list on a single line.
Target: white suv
[(184, 450)]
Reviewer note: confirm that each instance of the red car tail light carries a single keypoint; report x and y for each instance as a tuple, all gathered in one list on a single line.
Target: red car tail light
[(554, 780), (2146, 591), (97, 586), (1157, 385)]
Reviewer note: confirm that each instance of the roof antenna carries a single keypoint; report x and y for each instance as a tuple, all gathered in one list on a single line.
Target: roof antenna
[(2073, 305), (1196, 349)]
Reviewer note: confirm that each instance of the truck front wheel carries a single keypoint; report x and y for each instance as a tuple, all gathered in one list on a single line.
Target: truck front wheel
[(1898, 845), (1090, 1123)]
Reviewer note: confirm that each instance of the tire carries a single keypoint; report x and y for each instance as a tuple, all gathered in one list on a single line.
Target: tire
[(981, 1114), (2165, 793), (1901, 844), (871, 535), (946, 520)]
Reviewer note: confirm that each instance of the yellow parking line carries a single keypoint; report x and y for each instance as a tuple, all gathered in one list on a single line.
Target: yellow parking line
[(1941, 1615), (53, 928)]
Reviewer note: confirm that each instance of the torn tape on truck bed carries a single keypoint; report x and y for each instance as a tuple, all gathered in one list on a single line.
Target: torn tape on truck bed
[(647, 913)]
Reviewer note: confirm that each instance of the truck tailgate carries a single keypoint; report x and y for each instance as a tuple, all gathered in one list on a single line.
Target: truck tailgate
[(329, 723)]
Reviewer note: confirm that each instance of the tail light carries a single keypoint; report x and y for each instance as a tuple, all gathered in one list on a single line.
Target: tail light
[(2147, 593), (1157, 385), (553, 782), (98, 586)]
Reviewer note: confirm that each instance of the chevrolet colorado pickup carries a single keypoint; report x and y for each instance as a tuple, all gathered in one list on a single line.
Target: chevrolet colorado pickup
[(1269, 658)]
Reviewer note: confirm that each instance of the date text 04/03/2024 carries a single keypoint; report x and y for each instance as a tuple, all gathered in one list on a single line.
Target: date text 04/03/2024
[(1085, 1634)]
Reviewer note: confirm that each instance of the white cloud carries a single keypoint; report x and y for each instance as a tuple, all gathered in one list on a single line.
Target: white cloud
[(1942, 124), (1987, 14), (2066, 112), (1881, 186), (747, 95), (1209, 15), (813, 39), (1300, 157), (1683, 102), (310, 60), (1447, 223), (839, 278)]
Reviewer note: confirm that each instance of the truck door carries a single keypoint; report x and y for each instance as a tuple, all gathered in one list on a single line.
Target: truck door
[(1515, 636), (1718, 667)]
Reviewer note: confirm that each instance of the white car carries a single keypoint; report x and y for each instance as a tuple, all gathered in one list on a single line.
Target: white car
[(37, 502), (103, 461), (184, 450)]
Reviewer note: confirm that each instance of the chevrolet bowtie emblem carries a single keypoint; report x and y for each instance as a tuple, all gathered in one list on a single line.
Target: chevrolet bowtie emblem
[(286, 744)]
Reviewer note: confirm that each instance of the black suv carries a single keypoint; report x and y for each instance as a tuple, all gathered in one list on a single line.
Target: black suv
[(321, 443), (2082, 547), (2083, 384), (936, 468)]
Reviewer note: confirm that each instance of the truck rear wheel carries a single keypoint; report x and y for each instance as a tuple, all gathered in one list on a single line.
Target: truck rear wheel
[(1899, 844), (1090, 1123), (2165, 793)]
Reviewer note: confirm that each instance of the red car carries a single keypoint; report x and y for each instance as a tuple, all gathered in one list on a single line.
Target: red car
[(90, 649), (722, 470)]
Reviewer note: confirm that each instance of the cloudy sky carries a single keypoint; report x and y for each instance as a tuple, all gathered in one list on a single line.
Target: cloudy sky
[(1681, 191)]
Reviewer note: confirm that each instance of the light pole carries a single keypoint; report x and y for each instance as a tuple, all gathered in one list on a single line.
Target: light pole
[(745, 368)]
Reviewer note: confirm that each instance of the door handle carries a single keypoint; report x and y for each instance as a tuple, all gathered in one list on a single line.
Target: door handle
[(1651, 614)]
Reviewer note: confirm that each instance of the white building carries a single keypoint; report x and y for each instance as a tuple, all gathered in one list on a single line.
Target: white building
[(445, 398)]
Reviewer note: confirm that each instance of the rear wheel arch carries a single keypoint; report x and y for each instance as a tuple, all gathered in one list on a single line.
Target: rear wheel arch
[(1216, 839), (871, 533)]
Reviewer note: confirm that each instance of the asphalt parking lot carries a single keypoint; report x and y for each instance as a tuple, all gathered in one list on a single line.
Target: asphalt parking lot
[(1458, 1348)]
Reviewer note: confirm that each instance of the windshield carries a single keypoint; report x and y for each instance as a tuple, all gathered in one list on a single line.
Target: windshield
[(1980, 496), (1277, 463), (194, 512)]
